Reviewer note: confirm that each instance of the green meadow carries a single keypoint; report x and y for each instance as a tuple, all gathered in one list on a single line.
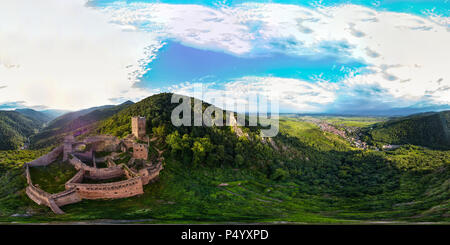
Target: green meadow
[(313, 177)]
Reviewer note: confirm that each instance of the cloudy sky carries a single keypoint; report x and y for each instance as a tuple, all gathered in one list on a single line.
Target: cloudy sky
[(314, 56)]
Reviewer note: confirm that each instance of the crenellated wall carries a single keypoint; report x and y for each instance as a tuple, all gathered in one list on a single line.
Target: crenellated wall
[(120, 189), (47, 158)]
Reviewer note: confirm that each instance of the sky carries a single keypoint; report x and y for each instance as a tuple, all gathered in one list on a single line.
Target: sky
[(355, 57)]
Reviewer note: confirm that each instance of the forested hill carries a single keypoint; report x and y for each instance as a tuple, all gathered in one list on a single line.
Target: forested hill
[(157, 109), (35, 115), (304, 174), (410, 180), (426, 129), (210, 145), (15, 128), (73, 121)]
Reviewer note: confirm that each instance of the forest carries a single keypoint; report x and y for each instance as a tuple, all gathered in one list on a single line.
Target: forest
[(213, 175)]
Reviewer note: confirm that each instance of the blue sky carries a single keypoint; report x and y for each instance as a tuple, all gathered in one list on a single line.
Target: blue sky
[(313, 56), (417, 7), (177, 64)]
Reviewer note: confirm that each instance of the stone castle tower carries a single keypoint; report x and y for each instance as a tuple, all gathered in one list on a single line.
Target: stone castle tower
[(138, 126), (68, 142)]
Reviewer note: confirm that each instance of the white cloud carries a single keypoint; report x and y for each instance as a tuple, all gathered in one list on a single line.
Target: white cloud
[(63, 54), (192, 24), (291, 94), (406, 54)]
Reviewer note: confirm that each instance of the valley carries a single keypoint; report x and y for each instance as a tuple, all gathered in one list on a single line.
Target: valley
[(311, 172)]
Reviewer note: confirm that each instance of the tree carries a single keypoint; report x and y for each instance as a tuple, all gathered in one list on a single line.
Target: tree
[(160, 130), (280, 174), (174, 141), (239, 159), (200, 148)]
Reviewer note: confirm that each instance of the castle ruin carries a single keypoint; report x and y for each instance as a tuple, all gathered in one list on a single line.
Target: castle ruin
[(76, 190), (138, 127), (67, 145), (140, 151)]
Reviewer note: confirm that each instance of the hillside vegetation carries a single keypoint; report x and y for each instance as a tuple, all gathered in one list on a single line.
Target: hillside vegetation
[(428, 129), (35, 115), (15, 128), (73, 122), (213, 175)]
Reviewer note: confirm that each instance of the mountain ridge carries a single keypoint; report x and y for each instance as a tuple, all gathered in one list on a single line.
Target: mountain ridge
[(37, 115), (15, 128), (430, 129), (71, 122)]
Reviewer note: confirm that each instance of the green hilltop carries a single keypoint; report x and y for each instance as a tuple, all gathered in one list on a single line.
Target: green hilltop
[(74, 123), (427, 129), (216, 174)]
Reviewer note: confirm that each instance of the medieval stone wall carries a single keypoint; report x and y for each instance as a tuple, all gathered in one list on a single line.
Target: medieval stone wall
[(36, 194), (96, 173), (86, 156), (128, 172), (128, 143), (69, 140), (76, 191), (120, 189), (77, 178), (66, 197), (151, 173), (103, 143), (140, 151), (41, 197), (47, 158)]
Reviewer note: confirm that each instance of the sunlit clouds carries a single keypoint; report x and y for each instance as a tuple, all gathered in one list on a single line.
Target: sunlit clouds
[(69, 55)]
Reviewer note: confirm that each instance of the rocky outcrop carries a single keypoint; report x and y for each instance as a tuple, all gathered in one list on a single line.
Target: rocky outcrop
[(233, 123)]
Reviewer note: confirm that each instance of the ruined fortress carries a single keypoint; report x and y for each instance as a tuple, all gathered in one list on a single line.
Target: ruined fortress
[(76, 190), (138, 127)]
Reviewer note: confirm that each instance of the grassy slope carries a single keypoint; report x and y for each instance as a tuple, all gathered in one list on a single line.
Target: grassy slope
[(312, 136), (313, 176), (13, 182), (51, 178), (191, 195), (428, 129)]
